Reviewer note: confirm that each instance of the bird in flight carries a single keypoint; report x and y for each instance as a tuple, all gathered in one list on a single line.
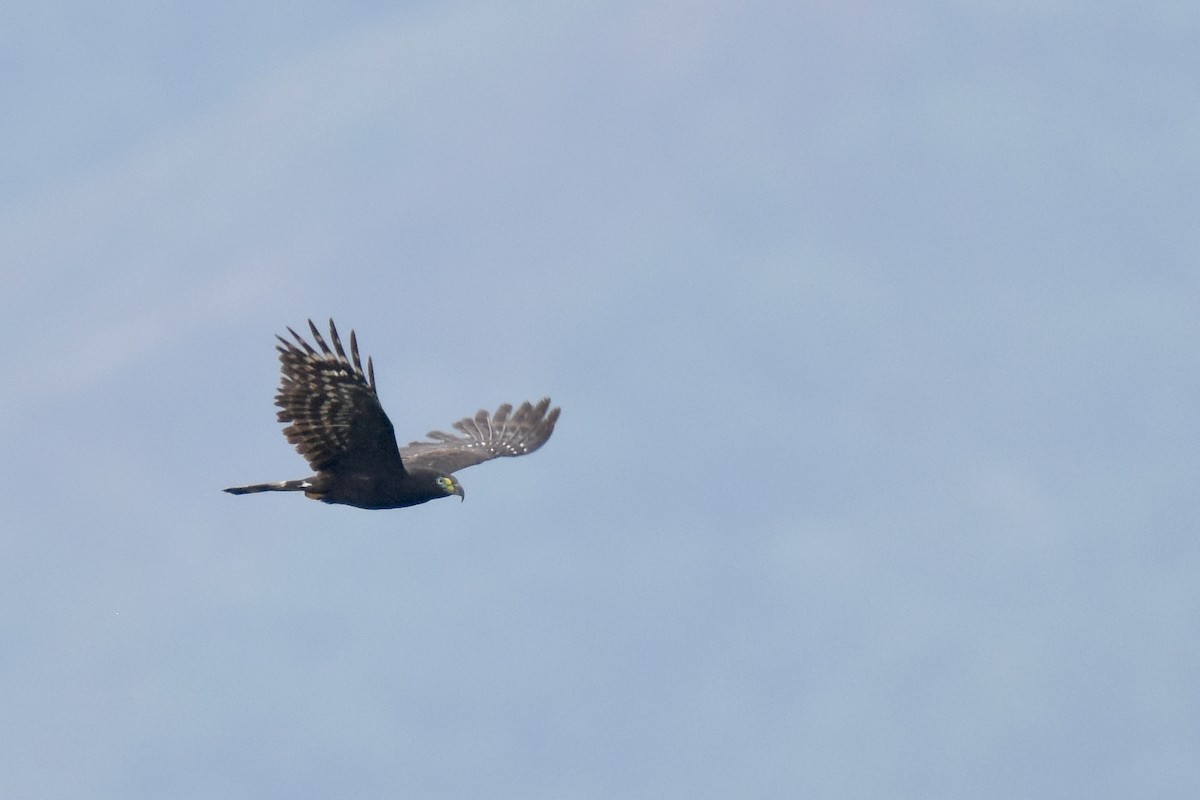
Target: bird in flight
[(339, 426)]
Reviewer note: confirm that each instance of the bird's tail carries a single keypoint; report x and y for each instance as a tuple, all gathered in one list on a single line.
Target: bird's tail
[(277, 486)]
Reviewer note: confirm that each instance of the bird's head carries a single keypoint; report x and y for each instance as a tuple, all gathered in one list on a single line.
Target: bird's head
[(450, 485)]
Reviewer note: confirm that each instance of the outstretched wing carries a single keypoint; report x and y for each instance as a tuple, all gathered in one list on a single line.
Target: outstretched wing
[(485, 437), (337, 423)]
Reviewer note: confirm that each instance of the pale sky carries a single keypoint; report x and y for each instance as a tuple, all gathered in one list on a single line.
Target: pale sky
[(875, 331)]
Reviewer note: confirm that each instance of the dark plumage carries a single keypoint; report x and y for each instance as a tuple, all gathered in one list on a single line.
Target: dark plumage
[(338, 425)]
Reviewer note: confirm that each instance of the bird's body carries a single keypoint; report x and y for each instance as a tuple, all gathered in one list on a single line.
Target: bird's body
[(363, 490), (339, 426)]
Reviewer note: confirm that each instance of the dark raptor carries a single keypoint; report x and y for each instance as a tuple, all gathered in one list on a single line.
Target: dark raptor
[(339, 426)]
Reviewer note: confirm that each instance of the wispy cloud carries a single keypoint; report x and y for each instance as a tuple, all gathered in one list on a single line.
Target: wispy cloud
[(168, 236)]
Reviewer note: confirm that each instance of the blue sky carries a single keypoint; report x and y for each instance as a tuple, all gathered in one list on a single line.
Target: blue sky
[(874, 329)]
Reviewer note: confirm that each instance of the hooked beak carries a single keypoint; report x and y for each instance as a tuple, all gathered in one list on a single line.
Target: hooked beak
[(458, 490)]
